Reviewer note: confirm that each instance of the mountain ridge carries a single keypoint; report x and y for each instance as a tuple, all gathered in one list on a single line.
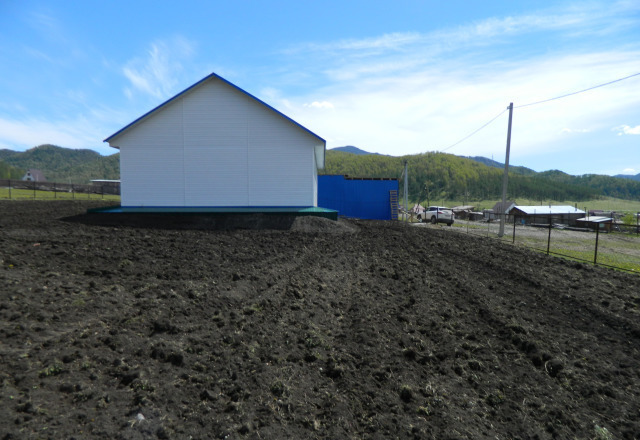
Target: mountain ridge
[(449, 176), (65, 165)]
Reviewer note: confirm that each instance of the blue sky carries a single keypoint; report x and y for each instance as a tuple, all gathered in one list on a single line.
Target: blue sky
[(401, 77)]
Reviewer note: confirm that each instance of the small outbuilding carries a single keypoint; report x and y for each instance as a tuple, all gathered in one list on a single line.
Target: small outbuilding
[(564, 214), (33, 175), (498, 209), (464, 212), (363, 198), (216, 145), (601, 223)]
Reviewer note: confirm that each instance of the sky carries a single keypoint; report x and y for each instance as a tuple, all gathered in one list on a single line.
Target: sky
[(397, 78)]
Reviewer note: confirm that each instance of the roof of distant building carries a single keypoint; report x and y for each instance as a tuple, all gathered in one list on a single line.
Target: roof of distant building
[(595, 219), (548, 210), (34, 174)]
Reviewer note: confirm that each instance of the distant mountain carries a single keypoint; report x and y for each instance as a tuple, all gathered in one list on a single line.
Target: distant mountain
[(628, 176), (353, 150), (492, 163), (4, 153), (64, 165)]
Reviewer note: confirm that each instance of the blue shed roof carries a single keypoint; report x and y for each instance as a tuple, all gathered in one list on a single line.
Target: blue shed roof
[(207, 78)]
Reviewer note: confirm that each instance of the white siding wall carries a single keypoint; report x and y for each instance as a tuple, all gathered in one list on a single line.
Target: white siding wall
[(280, 161), (216, 146), (151, 161), (215, 125)]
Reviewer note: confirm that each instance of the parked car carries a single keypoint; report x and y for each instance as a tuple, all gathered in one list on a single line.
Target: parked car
[(437, 214)]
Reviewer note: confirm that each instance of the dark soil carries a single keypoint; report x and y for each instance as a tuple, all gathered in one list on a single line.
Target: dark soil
[(327, 330)]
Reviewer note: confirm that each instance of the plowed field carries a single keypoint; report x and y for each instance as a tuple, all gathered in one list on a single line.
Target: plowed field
[(347, 330)]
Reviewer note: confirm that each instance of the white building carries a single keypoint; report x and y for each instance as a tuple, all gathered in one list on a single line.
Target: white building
[(33, 175), (215, 145)]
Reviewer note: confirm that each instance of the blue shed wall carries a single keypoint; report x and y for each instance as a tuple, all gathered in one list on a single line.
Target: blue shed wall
[(358, 198)]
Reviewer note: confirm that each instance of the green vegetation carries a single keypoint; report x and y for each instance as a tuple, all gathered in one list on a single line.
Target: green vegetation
[(615, 249), (25, 194), (602, 203), (439, 176), (10, 172), (630, 219), (62, 165)]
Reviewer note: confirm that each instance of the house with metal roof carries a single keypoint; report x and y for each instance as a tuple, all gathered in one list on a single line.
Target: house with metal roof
[(497, 210), (564, 214), (601, 223), (33, 175), (216, 145)]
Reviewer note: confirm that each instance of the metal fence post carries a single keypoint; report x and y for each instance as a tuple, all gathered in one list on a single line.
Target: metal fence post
[(514, 230), (34, 189), (595, 254), (549, 239), (9, 189)]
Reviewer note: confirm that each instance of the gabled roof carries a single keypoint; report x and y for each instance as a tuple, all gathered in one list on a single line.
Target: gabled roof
[(547, 210), (35, 174), (207, 78), (498, 207)]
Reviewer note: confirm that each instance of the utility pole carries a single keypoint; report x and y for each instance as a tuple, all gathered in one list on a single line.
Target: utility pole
[(505, 179), (406, 188)]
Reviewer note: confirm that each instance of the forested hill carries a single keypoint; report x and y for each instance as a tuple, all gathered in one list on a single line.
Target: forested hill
[(63, 165), (10, 172), (444, 175), (454, 177)]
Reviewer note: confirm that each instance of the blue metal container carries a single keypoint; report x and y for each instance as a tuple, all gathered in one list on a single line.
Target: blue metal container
[(357, 197)]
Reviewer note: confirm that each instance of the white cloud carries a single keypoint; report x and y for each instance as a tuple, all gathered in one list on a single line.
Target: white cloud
[(393, 41), (320, 104), (433, 107), (625, 129), (158, 72), (411, 93), (76, 133), (629, 171), (575, 130)]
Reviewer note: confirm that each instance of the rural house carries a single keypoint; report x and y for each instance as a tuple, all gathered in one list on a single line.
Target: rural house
[(601, 223), (498, 209), (564, 214), (34, 176), (215, 145)]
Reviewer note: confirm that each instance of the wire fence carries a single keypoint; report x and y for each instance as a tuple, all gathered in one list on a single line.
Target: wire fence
[(25, 189), (608, 244)]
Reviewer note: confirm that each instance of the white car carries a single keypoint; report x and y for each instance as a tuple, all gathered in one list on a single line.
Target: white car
[(437, 214)]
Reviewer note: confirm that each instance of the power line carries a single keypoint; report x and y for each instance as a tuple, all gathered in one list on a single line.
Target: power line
[(580, 91), (535, 103), (471, 134)]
